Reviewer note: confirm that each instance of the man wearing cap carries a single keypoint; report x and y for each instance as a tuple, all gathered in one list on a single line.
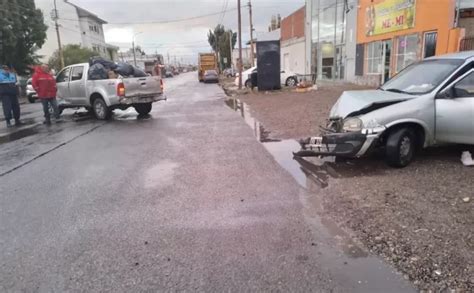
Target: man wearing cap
[(9, 95)]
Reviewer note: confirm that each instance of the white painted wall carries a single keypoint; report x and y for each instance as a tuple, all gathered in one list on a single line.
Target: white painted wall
[(293, 56), (351, 43), (73, 30), (69, 29), (90, 37)]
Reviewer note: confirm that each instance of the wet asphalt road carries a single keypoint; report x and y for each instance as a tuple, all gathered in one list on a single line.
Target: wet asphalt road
[(186, 199)]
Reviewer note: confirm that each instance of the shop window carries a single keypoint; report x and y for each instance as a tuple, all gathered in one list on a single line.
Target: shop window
[(407, 51), (374, 57), (430, 44)]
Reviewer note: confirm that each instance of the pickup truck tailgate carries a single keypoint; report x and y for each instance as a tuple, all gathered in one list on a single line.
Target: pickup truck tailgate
[(142, 86)]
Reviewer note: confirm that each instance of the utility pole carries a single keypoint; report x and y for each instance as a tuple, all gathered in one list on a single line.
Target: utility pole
[(134, 53), (230, 46), (252, 57), (55, 17), (458, 11), (239, 8)]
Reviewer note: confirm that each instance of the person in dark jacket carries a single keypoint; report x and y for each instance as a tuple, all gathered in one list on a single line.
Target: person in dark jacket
[(9, 95), (45, 86)]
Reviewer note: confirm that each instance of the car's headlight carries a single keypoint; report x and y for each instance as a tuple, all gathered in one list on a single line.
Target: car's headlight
[(352, 125)]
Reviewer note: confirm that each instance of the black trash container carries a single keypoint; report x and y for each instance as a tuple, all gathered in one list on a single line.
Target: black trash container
[(254, 79)]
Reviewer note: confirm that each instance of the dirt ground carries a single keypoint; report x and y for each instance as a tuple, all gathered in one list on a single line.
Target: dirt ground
[(419, 218)]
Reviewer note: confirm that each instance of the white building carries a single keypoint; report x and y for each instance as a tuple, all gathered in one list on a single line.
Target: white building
[(293, 43), (76, 26)]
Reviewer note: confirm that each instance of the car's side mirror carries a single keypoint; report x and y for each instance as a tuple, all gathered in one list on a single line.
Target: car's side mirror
[(283, 71), (446, 94)]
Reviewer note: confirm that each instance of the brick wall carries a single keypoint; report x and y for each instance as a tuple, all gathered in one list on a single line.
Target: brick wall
[(293, 25), (468, 24)]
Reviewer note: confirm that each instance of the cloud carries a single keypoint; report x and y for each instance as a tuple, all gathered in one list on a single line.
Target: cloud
[(184, 38)]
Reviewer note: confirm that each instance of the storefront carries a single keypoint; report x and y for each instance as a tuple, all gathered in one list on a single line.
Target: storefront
[(331, 34), (392, 34)]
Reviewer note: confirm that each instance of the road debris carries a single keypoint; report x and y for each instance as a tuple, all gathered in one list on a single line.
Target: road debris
[(466, 159)]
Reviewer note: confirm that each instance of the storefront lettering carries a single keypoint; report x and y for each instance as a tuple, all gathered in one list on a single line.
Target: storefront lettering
[(390, 16)]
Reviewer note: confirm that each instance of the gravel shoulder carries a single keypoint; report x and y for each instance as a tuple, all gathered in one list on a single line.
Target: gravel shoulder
[(419, 218)]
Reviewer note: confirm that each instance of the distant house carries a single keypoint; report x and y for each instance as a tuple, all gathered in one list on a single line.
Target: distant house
[(76, 26)]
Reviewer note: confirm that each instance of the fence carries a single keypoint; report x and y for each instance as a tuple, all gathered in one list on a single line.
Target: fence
[(467, 44)]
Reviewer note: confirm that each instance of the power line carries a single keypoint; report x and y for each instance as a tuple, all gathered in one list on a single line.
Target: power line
[(174, 20)]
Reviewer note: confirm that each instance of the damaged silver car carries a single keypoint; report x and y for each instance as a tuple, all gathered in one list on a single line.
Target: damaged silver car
[(426, 104)]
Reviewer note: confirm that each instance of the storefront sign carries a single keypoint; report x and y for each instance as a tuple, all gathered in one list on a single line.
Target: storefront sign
[(390, 16)]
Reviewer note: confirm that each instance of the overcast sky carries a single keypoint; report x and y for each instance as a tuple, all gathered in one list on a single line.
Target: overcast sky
[(185, 38)]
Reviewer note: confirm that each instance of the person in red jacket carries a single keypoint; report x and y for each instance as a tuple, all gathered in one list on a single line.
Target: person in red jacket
[(45, 86)]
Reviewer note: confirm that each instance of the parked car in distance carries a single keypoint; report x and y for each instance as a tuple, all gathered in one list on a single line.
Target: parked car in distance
[(30, 92), (211, 76), (428, 103), (168, 73), (101, 97), (289, 79), (230, 72)]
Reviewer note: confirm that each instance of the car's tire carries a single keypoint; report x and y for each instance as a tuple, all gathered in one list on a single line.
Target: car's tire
[(100, 109), (291, 81), (31, 99), (248, 83), (400, 147), (143, 109)]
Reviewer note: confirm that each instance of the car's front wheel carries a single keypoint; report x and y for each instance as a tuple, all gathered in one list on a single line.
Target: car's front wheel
[(100, 109), (143, 109), (400, 148), (31, 99), (291, 82), (248, 83)]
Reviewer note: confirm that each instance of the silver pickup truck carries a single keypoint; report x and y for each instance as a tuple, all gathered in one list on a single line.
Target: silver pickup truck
[(101, 97), (428, 103)]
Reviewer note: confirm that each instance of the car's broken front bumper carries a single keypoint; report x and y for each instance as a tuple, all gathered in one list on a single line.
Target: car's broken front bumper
[(350, 145)]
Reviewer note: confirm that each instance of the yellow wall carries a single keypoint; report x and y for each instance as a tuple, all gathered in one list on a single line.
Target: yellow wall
[(431, 15)]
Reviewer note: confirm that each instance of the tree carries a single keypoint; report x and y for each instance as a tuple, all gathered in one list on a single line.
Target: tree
[(220, 43), (73, 54), (22, 33)]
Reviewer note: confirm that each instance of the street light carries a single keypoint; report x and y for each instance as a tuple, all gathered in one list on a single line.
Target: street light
[(133, 48)]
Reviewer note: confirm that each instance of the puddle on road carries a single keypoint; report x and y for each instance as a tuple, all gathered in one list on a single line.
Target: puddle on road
[(22, 133), (316, 170), (351, 260)]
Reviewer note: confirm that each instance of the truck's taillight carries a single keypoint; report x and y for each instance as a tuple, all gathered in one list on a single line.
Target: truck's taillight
[(121, 90), (162, 86)]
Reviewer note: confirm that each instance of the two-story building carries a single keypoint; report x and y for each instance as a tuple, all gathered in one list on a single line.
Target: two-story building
[(76, 26)]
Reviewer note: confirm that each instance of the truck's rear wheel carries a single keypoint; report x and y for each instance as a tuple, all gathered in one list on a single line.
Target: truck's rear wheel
[(400, 148), (143, 109), (100, 109)]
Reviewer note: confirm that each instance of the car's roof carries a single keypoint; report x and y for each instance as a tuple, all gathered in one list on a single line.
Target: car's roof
[(461, 55)]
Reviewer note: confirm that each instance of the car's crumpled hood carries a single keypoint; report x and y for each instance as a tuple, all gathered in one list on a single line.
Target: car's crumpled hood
[(355, 101)]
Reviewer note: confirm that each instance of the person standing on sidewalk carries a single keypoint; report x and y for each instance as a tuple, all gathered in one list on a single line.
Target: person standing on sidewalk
[(45, 86), (9, 95)]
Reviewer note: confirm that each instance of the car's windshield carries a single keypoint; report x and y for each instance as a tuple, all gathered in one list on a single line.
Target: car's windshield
[(422, 77)]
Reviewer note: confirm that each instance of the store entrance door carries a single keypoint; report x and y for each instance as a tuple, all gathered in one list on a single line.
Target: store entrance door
[(386, 58)]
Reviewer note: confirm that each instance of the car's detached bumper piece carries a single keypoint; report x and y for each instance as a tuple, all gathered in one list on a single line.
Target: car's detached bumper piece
[(350, 145)]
